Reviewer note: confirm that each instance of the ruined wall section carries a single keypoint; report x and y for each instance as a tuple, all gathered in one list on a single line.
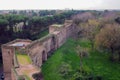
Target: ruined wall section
[(40, 49), (59, 32), (71, 29), (7, 61), (8, 52), (60, 37)]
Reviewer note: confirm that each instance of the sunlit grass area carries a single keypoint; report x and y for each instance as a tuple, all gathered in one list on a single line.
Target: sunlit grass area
[(23, 59), (97, 62)]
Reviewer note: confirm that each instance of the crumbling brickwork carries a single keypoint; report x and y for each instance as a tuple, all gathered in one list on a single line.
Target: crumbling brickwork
[(57, 36), (38, 50), (8, 51)]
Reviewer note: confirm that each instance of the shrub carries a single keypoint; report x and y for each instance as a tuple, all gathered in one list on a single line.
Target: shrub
[(115, 57), (82, 52), (65, 70)]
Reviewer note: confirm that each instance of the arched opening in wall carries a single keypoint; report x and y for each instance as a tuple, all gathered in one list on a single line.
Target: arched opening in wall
[(9, 52), (53, 40), (79, 34), (52, 46), (43, 57), (13, 62)]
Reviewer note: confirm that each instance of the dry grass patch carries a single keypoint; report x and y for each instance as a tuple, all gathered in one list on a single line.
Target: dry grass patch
[(23, 59)]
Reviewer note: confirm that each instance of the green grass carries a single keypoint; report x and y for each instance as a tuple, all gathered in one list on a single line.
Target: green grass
[(101, 65), (23, 59), (98, 62)]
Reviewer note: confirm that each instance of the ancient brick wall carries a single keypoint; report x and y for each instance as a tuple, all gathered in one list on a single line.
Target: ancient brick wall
[(13, 77), (71, 29), (8, 51), (7, 61), (38, 50)]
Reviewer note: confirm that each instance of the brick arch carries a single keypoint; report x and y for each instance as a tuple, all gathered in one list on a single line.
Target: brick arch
[(53, 43), (44, 56)]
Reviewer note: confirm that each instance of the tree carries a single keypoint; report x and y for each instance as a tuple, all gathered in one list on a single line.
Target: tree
[(109, 38), (80, 53), (82, 17), (117, 20), (13, 19), (65, 70), (3, 26), (89, 29), (93, 29)]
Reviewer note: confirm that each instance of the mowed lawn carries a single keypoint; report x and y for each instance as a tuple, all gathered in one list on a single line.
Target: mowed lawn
[(23, 59), (98, 62)]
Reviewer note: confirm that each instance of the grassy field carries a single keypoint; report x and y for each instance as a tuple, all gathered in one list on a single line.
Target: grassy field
[(23, 59), (97, 62)]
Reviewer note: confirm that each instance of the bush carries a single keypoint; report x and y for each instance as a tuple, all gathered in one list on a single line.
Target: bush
[(65, 70), (115, 57), (82, 52), (83, 73), (85, 53)]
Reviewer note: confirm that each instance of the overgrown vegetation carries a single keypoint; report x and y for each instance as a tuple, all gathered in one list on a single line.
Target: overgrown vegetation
[(103, 31), (64, 64)]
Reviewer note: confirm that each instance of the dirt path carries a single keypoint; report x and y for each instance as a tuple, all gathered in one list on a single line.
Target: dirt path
[(28, 70)]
